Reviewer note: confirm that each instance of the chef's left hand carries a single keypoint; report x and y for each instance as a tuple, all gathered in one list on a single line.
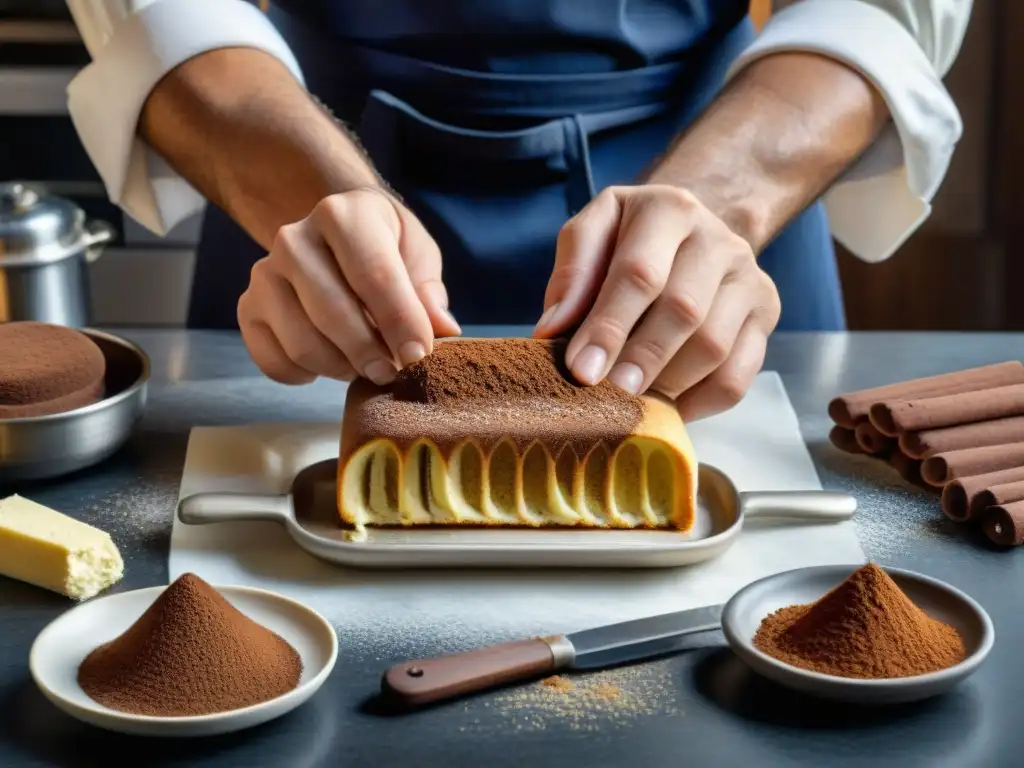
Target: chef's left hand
[(669, 297)]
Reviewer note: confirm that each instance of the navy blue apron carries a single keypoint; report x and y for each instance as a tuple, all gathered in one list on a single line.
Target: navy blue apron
[(496, 121)]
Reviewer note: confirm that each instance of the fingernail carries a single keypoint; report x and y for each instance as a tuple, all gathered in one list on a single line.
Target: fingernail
[(589, 365), (380, 372), (410, 352), (549, 313), (627, 376), (451, 319)]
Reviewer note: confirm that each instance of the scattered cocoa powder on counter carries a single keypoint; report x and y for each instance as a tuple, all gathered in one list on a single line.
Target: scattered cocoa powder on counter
[(865, 628), (191, 653), (607, 691), (558, 683), (595, 702)]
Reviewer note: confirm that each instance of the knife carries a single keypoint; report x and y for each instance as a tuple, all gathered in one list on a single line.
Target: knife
[(426, 681)]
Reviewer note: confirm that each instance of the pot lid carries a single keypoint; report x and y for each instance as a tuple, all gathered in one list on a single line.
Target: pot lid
[(36, 227)]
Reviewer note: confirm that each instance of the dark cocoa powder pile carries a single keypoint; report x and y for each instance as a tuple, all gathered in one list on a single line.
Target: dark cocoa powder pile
[(500, 369), (864, 628), (498, 389), (191, 653), (46, 369)]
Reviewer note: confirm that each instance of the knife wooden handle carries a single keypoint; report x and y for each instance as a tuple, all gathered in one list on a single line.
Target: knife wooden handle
[(415, 683)]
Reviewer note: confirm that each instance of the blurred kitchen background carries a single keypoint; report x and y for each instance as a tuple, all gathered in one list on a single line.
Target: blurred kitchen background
[(959, 272)]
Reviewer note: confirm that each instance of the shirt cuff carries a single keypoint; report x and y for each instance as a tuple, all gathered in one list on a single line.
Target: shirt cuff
[(886, 194), (106, 98)]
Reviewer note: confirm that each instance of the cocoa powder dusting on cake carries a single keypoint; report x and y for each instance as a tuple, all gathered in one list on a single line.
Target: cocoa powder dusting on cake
[(191, 653), (496, 389), (499, 369), (46, 368), (864, 628)]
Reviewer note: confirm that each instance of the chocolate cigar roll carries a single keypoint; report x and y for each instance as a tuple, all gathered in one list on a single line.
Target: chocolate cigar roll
[(921, 445), (943, 467), (908, 468), (1004, 524), (846, 410), (871, 440), (961, 498), (893, 417), (845, 440)]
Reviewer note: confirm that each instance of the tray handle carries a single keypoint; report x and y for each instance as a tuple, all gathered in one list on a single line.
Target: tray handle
[(798, 506), (223, 507)]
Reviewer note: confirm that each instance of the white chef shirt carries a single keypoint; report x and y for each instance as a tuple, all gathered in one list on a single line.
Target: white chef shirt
[(904, 47)]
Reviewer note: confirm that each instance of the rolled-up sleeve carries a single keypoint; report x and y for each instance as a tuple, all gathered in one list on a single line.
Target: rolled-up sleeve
[(905, 48), (133, 45)]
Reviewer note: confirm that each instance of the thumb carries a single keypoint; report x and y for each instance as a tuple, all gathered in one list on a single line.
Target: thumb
[(584, 248), (422, 260)]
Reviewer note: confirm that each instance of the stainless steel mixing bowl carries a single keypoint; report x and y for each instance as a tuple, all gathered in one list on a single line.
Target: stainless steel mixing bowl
[(43, 447)]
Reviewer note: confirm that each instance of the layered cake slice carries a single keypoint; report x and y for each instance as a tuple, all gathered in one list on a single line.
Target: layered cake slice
[(496, 432)]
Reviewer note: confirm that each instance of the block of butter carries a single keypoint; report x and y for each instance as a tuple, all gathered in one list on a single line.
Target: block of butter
[(41, 546)]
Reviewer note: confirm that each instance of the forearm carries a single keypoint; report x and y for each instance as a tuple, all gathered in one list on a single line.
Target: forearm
[(776, 138), (238, 125)]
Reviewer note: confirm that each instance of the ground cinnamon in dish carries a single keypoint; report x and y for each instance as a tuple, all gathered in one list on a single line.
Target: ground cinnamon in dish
[(191, 653), (864, 628)]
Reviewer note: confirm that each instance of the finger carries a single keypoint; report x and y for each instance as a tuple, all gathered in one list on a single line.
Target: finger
[(422, 260), (698, 271), (712, 343), (584, 247), (300, 339), (362, 230), (729, 383), (650, 233), (314, 277), (265, 350)]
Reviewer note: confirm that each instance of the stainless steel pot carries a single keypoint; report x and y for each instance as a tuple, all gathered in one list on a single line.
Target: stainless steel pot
[(46, 245)]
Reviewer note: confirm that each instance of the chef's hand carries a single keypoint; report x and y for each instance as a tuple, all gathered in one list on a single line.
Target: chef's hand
[(669, 298), (354, 288)]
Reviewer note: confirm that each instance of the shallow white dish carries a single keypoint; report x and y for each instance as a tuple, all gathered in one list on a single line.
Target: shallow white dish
[(60, 648), (744, 612)]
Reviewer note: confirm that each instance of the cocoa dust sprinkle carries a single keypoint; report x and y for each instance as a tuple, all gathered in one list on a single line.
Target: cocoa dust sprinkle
[(590, 702), (498, 369), (498, 389), (558, 683), (191, 653), (864, 628)]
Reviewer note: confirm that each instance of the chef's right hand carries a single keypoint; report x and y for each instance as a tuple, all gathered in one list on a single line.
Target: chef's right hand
[(353, 289)]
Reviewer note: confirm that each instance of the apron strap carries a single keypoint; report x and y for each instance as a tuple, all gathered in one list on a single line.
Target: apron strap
[(579, 186)]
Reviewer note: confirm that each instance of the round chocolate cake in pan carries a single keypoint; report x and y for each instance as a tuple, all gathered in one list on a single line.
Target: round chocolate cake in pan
[(47, 369)]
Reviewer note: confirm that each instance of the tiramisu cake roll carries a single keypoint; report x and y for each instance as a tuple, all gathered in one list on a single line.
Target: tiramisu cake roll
[(495, 432)]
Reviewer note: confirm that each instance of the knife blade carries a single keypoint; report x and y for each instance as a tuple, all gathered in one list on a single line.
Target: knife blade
[(427, 681)]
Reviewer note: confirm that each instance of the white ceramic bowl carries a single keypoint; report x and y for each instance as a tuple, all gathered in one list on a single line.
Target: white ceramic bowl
[(62, 645), (748, 607)]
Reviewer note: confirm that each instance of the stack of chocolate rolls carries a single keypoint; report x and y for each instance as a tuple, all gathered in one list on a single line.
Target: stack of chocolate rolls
[(960, 433)]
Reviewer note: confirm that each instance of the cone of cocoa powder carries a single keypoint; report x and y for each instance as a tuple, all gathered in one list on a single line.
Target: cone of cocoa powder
[(191, 653)]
